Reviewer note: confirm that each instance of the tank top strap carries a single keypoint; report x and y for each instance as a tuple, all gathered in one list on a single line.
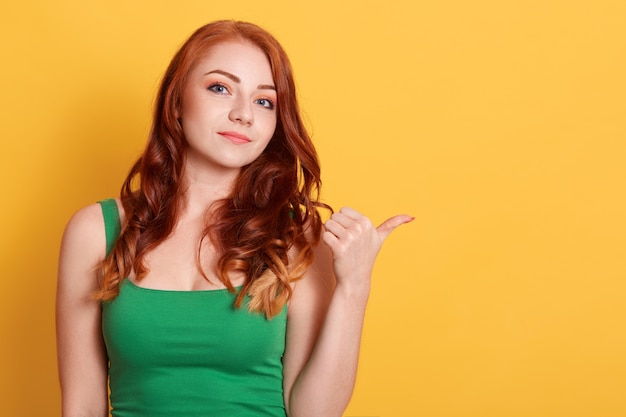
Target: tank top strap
[(112, 225)]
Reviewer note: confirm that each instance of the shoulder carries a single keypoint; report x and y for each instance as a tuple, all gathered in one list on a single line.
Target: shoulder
[(315, 287), (83, 248), (320, 267), (85, 225), (84, 237)]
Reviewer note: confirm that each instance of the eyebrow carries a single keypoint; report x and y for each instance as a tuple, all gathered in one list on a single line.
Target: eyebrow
[(238, 80)]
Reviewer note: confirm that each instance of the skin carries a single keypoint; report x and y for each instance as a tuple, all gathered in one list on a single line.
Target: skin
[(325, 315), (230, 90)]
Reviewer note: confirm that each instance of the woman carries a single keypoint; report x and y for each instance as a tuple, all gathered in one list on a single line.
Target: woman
[(221, 293)]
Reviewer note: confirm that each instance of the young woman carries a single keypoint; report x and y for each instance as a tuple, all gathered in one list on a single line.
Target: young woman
[(211, 286)]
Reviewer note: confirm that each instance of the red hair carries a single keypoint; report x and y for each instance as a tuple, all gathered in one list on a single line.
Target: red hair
[(272, 209)]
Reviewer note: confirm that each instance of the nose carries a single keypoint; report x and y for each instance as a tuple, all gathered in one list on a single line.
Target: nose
[(241, 112)]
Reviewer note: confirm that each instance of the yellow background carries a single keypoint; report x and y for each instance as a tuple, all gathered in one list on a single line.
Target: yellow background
[(498, 124)]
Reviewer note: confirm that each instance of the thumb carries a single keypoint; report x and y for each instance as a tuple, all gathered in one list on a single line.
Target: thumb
[(390, 224)]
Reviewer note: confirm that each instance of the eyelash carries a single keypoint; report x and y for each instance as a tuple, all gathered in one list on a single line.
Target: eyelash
[(271, 103), (213, 87)]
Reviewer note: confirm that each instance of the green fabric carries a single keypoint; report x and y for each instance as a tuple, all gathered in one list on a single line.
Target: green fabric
[(191, 353), (112, 226)]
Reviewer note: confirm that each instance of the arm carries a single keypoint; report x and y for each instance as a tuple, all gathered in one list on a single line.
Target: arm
[(326, 316), (81, 353)]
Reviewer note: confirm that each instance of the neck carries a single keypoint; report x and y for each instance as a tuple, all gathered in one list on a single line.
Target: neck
[(203, 188)]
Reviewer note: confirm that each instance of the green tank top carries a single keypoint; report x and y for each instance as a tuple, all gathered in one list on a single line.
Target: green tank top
[(189, 353)]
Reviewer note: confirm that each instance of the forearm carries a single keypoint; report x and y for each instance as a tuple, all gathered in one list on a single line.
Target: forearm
[(325, 385)]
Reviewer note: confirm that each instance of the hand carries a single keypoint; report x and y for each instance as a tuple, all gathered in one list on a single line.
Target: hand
[(355, 243)]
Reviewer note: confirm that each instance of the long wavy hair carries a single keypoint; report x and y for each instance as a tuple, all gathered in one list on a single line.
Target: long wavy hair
[(267, 227)]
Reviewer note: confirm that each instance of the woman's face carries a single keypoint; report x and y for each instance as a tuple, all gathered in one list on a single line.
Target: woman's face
[(228, 110)]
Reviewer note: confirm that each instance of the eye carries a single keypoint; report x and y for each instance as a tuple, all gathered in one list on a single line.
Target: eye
[(265, 102), (218, 88)]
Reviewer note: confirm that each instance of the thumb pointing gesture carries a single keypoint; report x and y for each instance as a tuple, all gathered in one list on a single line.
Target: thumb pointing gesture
[(390, 224), (355, 242)]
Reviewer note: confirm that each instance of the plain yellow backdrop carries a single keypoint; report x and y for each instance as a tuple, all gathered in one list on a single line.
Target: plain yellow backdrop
[(499, 125)]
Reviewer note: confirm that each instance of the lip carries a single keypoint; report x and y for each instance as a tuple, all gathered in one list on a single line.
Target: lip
[(235, 137)]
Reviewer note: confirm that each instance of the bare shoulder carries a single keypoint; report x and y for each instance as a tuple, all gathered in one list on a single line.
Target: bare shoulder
[(83, 247), (321, 269), (312, 292), (320, 272), (85, 230), (87, 217)]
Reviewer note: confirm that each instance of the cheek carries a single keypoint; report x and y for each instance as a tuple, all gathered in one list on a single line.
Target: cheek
[(193, 107), (271, 124), (265, 125)]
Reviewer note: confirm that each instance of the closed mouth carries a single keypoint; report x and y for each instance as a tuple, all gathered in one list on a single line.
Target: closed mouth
[(235, 137)]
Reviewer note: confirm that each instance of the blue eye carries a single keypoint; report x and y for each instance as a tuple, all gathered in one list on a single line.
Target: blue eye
[(218, 88), (264, 102)]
